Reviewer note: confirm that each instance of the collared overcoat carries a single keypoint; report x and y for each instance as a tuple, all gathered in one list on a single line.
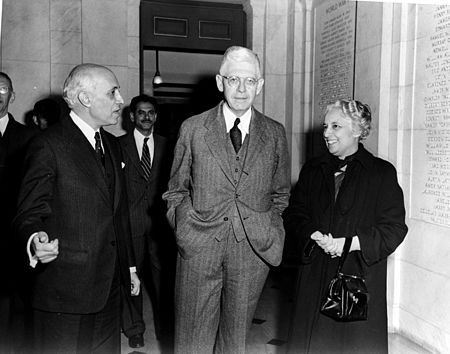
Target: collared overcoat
[(370, 205)]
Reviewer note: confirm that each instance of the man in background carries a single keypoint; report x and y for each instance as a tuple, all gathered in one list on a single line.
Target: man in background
[(147, 164), (229, 184), (73, 218), (14, 138)]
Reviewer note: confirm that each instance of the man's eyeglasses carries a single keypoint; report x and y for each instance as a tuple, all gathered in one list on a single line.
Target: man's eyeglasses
[(4, 90), (234, 81)]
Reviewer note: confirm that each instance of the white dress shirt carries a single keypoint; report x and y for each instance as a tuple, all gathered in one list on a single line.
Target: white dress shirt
[(3, 123), (230, 117)]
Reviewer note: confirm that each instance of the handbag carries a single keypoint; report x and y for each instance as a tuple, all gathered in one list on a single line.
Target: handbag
[(347, 297)]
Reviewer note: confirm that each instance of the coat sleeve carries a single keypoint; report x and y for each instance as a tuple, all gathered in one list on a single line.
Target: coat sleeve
[(178, 195), (281, 176), (36, 190), (380, 239), (298, 221)]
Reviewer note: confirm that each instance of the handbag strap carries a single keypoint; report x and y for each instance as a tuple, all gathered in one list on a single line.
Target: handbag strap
[(345, 250)]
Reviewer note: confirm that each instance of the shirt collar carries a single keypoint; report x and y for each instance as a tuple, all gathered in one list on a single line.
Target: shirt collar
[(4, 123), (139, 137), (85, 128), (230, 117)]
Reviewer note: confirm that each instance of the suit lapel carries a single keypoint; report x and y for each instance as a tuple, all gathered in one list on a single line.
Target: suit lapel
[(116, 165), (157, 153), (81, 152), (12, 131), (131, 150), (257, 138), (216, 139)]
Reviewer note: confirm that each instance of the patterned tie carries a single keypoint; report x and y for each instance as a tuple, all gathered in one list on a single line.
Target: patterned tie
[(98, 149), (146, 161), (236, 136)]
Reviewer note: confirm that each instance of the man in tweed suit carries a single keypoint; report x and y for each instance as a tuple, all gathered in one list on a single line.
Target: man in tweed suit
[(225, 200)]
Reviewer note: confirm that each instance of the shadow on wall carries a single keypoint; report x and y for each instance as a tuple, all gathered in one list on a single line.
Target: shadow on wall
[(46, 112)]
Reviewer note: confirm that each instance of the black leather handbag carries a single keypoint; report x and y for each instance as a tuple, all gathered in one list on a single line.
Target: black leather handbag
[(347, 297)]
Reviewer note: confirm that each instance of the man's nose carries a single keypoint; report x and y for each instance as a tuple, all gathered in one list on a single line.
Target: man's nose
[(119, 97), (241, 86)]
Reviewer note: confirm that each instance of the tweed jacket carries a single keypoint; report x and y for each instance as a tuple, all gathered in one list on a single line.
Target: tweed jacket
[(204, 199)]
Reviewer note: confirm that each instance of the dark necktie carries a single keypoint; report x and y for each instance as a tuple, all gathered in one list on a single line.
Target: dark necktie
[(98, 149), (236, 136), (146, 161)]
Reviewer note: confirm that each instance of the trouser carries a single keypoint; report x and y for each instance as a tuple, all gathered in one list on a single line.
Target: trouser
[(216, 295)]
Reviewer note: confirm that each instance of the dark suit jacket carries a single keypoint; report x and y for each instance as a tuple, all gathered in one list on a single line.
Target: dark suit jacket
[(12, 150), (144, 197), (204, 199), (64, 192)]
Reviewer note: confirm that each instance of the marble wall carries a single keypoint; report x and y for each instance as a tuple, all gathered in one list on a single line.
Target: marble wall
[(42, 40)]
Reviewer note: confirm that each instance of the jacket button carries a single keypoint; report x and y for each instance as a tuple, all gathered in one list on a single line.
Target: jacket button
[(113, 243), (225, 219)]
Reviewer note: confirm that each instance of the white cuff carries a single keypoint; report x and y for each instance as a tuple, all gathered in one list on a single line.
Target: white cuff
[(132, 269), (33, 259)]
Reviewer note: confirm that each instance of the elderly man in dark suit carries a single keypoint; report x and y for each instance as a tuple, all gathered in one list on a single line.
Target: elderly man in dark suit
[(147, 164), (73, 213), (14, 138), (229, 185)]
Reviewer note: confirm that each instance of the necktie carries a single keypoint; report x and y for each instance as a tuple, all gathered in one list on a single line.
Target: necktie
[(98, 149), (236, 135), (146, 161)]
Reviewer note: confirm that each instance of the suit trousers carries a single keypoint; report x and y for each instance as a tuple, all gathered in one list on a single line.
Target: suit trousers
[(132, 307), (216, 294), (68, 333)]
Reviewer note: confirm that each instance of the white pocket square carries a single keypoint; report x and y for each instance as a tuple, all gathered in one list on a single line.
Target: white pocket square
[(123, 165)]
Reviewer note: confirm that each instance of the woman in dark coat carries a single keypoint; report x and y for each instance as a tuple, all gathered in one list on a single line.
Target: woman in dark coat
[(346, 193)]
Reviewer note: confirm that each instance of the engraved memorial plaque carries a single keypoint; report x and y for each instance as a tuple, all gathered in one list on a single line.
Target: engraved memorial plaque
[(430, 192)]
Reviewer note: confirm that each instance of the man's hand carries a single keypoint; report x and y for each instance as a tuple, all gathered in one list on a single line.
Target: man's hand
[(135, 284), (45, 250)]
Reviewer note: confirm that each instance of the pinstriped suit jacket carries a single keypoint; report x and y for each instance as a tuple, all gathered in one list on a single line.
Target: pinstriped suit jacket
[(144, 197), (203, 198), (64, 193)]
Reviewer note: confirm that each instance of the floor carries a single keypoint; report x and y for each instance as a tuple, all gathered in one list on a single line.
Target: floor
[(265, 336)]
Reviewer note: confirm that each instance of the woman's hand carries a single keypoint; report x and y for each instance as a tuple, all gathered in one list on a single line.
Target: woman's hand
[(330, 245)]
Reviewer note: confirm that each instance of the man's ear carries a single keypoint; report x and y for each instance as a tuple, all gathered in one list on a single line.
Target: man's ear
[(12, 98), (84, 99), (259, 86), (219, 82), (132, 116), (35, 120)]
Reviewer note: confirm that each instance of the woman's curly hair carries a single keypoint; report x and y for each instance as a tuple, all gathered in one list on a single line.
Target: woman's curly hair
[(358, 112)]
